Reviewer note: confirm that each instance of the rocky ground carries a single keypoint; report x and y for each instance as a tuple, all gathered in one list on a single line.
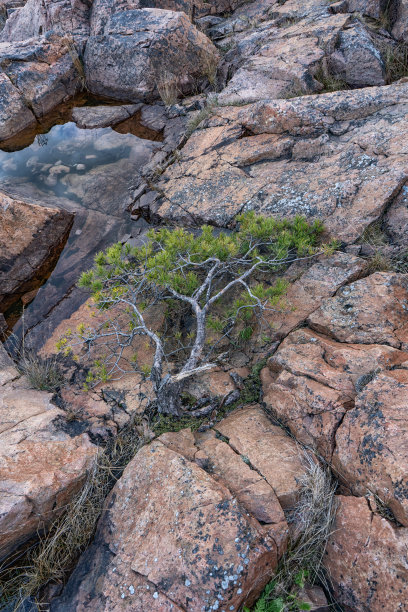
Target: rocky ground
[(281, 107)]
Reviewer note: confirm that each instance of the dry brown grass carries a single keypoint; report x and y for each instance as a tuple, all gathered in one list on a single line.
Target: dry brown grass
[(382, 258), (312, 522), (54, 556), (168, 89)]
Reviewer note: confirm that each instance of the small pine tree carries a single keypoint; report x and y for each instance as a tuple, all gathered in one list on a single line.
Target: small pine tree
[(196, 270)]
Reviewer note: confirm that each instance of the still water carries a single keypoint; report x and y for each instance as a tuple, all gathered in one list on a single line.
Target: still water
[(88, 172)]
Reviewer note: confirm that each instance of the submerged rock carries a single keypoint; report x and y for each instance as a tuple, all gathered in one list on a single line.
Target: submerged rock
[(91, 117)]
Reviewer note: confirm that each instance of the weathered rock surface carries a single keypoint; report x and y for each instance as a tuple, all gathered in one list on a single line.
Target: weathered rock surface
[(321, 280), (312, 381), (177, 536), (15, 116), (43, 73), (339, 157), (91, 117), (36, 18), (41, 466), (142, 52), (366, 559), (31, 240), (371, 444), (267, 448), (370, 310), (356, 60), (400, 20), (396, 219), (278, 50)]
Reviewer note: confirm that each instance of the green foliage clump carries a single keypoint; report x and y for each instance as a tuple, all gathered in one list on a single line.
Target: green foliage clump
[(160, 259), (192, 273)]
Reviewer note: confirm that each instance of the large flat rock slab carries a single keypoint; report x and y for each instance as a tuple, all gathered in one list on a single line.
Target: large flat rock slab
[(31, 240), (339, 157)]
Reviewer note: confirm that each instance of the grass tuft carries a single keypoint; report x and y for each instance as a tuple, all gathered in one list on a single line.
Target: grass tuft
[(42, 374), (168, 88), (312, 519)]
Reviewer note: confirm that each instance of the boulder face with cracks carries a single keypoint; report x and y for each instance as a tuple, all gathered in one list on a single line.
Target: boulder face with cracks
[(366, 559), (195, 523), (143, 52)]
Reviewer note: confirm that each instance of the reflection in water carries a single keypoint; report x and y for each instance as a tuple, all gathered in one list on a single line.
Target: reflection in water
[(88, 172)]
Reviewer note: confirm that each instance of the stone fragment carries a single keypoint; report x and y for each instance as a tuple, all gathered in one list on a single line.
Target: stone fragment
[(356, 60), (399, 18), (305, 294), (44, 71), (91, 117), (311, 382), (144, 53), (14, 114), (36, 18), (41, 466), (267, 449), (249, 487)]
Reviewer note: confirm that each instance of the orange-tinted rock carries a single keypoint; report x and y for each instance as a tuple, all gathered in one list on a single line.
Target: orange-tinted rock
[(31, 239), (267, 449), (371, 444), (172, 535), (250, 488), (304, 295), (310, 163), (366, 559), (371, 310), (311, 381), (41, 466)]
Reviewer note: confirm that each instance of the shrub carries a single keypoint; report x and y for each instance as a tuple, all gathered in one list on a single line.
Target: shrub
[(193, 272)]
